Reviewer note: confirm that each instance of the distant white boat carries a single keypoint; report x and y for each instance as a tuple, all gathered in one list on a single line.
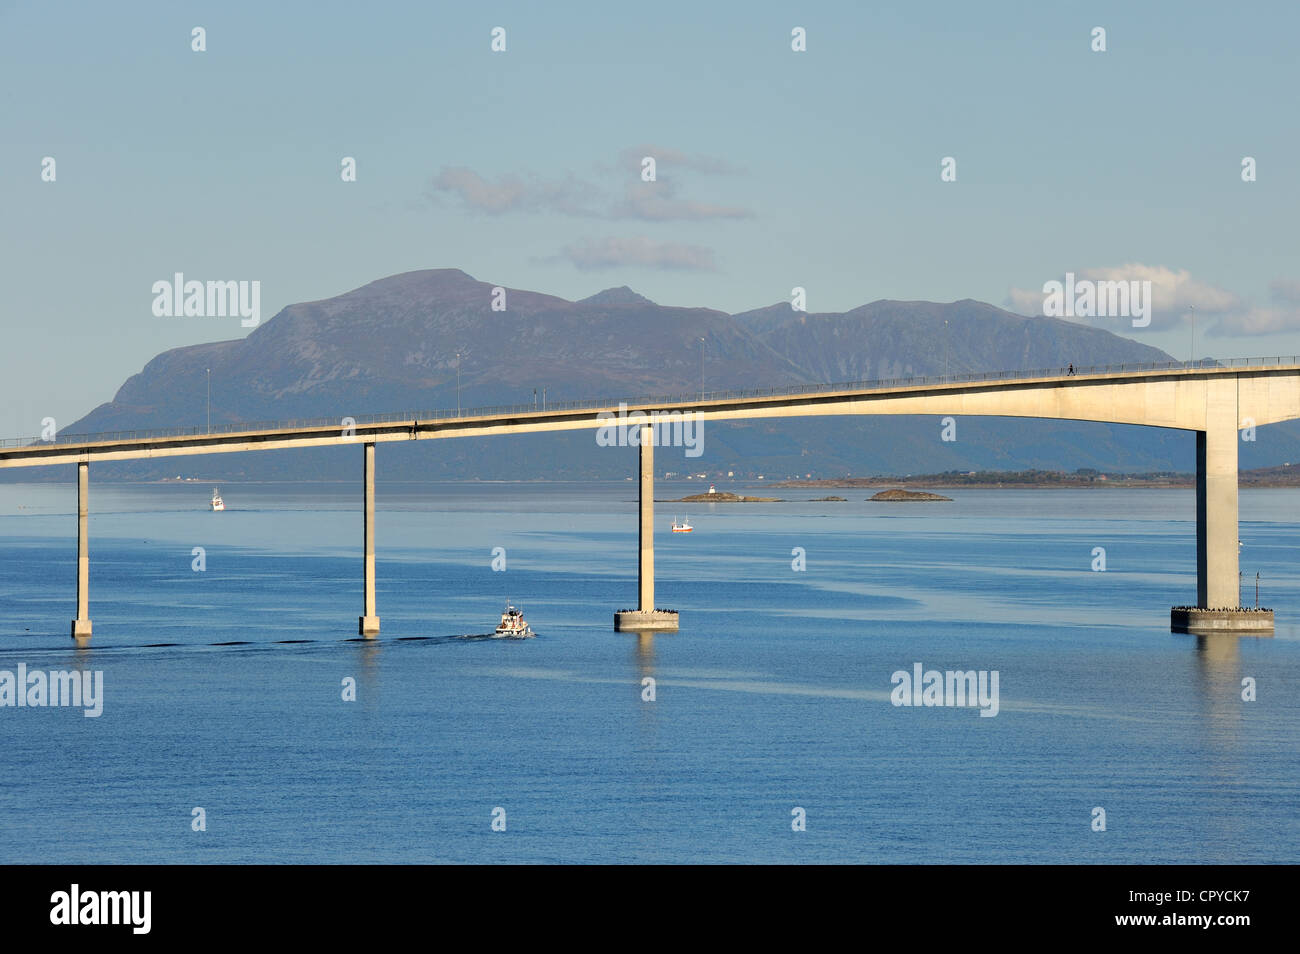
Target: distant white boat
[(217, 502), (683, 527), (513, 624)]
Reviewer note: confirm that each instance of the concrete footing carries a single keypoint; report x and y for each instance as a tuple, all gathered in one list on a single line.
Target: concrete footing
[(368, 626), (81, 630), (645, 621), (1240, 621)]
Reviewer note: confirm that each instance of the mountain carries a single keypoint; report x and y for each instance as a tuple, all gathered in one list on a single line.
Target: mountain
[(622, 295), (400, 344), (887, 339), (397, 344)]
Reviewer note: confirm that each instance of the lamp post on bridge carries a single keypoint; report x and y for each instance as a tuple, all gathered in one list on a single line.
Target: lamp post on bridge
[(458, 384), (209, 400), (701, 369)]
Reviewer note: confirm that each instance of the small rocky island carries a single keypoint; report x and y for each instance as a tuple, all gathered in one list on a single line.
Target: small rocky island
[(723, 497), (826, 499), (908, 495)]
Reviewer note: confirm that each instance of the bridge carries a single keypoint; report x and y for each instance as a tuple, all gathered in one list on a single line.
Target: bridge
[(1215, 399)]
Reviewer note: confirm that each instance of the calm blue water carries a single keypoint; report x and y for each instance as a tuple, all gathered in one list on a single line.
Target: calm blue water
[(774, 694)]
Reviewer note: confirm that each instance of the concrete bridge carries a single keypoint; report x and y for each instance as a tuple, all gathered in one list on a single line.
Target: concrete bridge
[(1213, 400)]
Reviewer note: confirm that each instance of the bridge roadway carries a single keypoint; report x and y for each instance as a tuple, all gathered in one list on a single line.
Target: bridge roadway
[(1215, 400)]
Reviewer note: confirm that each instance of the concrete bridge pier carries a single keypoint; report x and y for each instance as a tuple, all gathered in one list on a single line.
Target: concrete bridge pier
[(81, 625), (1216, 518), (645, 617), (368, 624), (1218, 598)]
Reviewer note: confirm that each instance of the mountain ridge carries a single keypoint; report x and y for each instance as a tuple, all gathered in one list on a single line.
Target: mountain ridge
[(431, 339)]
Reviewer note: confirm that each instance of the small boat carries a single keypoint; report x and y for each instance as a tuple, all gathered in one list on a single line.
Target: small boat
[(217, 502), (513, 624), (683, 527)]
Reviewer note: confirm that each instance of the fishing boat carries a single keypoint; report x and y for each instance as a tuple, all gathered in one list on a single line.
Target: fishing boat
[(217, 502), (683, 527), (513, 624)]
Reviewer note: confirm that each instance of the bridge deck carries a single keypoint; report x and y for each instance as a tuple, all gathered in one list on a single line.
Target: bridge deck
[(827, 399)]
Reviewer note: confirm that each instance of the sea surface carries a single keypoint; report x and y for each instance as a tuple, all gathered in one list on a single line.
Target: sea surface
[(224, 686)]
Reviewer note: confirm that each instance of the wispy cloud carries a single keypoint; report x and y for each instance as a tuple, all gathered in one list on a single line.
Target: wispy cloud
[(1283, 314), (615, 252), (570, 195), (512, 193), (658, 202), (669, 160), (1285, 291), (1174, 295)]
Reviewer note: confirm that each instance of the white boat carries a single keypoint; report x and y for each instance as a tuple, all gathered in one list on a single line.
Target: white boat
[(513, 624), (217, 502), (683, 527)]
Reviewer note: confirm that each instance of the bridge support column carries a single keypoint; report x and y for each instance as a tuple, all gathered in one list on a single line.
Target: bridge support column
[(646, 536), (645, 617), (1216, 518), (1218, 597), (368, 625), (81, 625)]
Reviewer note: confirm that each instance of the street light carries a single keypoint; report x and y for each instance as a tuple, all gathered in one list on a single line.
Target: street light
[(209, 401), (701, 369), (458, 384)]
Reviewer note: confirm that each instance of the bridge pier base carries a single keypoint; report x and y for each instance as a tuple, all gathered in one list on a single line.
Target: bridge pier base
[(645, 617), (81, 627), (368, 624)]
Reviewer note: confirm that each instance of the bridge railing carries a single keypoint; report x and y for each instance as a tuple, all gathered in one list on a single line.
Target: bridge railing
[(692, 399)]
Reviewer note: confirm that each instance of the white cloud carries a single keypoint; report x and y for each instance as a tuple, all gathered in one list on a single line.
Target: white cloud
[(667, 159), (1262, 320), (512, 193), (657, 201), (1175, 292), (1285, 290)]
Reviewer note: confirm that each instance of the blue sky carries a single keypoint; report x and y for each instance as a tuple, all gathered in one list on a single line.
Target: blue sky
[(775, 168)]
